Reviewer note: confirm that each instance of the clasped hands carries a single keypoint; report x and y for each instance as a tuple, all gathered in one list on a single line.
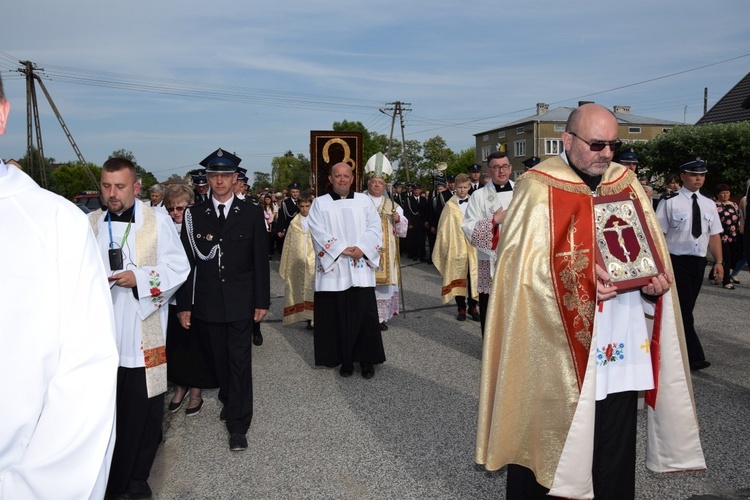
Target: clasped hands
[(605, 290), (353, 252)]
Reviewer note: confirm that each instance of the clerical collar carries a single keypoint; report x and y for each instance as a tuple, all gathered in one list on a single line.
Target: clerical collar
[(504, 187), (336, 196), (125, 216)]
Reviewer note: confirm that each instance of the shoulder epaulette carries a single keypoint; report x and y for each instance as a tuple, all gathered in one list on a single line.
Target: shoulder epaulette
[(670, 195)]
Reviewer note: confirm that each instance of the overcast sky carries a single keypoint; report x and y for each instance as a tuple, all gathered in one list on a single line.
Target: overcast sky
[(172, 81)]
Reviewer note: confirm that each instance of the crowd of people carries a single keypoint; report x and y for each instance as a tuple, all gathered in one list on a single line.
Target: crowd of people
[(189, 286)]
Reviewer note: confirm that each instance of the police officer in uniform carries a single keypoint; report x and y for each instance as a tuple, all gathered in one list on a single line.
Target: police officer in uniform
[(228, 289), (287, 212), (691, 225), (628, 159), (200, 185), (475, 172), (530, 163)]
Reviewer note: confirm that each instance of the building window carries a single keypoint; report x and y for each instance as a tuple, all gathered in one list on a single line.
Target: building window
[(485, 138), (485, 152), (559, 128), (519, 130), (519, 148), (553, 146), (634, 130), (501, 134)]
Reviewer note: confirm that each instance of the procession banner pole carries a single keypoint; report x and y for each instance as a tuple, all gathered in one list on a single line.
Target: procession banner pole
[(398, 258)]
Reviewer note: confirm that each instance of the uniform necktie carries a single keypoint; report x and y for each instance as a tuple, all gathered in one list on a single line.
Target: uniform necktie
[(696, 217), (221, 215)]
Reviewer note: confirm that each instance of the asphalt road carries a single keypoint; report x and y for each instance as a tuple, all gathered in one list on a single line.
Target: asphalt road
[(409, 431)]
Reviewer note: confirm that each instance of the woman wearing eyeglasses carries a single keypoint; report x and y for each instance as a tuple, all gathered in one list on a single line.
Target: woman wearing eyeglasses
[(187, 367)]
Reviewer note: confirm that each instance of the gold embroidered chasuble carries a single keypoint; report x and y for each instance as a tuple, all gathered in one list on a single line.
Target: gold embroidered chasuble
[(152, 336), (297, 269), (454, 257), (538, 376), (387, 273)]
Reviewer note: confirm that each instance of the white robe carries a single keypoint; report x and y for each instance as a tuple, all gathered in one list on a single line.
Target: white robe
[(483, 203), (337, 225), (172, 268), (387, 296), (58, 359)]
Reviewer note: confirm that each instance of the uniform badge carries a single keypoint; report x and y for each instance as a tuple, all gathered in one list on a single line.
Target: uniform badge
[(209, 237), (197, 236), (490, 198)]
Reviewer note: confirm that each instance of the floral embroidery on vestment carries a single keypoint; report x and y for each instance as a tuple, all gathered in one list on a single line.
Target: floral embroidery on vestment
[(610, 353)]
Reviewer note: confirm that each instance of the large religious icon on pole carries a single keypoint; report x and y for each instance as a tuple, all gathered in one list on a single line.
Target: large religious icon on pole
[(625, 248), (329, 147)]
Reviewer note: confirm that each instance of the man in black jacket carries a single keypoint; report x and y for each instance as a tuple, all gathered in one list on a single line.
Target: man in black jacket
[(228, 289)]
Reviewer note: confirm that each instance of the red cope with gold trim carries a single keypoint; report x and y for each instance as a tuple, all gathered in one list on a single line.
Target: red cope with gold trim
[(573, 273)]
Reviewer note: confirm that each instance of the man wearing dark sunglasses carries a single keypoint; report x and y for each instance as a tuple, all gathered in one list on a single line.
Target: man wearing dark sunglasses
[(566, 352)]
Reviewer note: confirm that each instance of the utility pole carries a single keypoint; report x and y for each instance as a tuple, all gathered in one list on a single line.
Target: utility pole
[(398, 109), (32, 109)]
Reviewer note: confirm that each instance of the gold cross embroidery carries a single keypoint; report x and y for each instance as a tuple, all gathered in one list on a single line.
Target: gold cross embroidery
[(572, 253), (645, 346)]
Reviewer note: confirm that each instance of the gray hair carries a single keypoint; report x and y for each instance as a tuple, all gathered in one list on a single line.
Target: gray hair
[(156, 188)]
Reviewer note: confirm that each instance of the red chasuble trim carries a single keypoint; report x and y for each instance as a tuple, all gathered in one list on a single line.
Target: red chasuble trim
[(573, 276), (459, 283), (655, 351)]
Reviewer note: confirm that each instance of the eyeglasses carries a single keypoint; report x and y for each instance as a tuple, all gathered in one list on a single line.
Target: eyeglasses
[(597, 146), (501, 167), (175, 209)]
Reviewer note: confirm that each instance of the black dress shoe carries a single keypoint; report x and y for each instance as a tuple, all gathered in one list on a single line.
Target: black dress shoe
[(309, 325), (194, 410), (175, 407), (383, 326), (257, 338), (368, 371), (237, 442), (345, 371), (699, 365), (461, 316), (475, 314), (138, 489)]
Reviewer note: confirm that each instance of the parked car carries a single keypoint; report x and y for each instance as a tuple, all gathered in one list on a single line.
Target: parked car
[(91, 200)]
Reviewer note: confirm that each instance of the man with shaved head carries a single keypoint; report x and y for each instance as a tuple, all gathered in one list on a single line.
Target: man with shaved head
[(566, 351), (347, 236)]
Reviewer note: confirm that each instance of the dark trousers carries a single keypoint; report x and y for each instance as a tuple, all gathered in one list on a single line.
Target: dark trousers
[(613, 466), (138, 428), (230, 346), (688, 276), (461, 300)]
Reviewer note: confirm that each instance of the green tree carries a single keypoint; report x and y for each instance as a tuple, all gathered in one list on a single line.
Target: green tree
[(32, 168), (72, 179), (463, 161), (147, 178), (371, 143), (261, 180), (724, 146), (288, 168)]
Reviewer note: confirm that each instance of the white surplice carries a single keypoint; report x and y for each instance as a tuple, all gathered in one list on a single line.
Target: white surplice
[(171, 270), (336, 225), (58, 360)]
